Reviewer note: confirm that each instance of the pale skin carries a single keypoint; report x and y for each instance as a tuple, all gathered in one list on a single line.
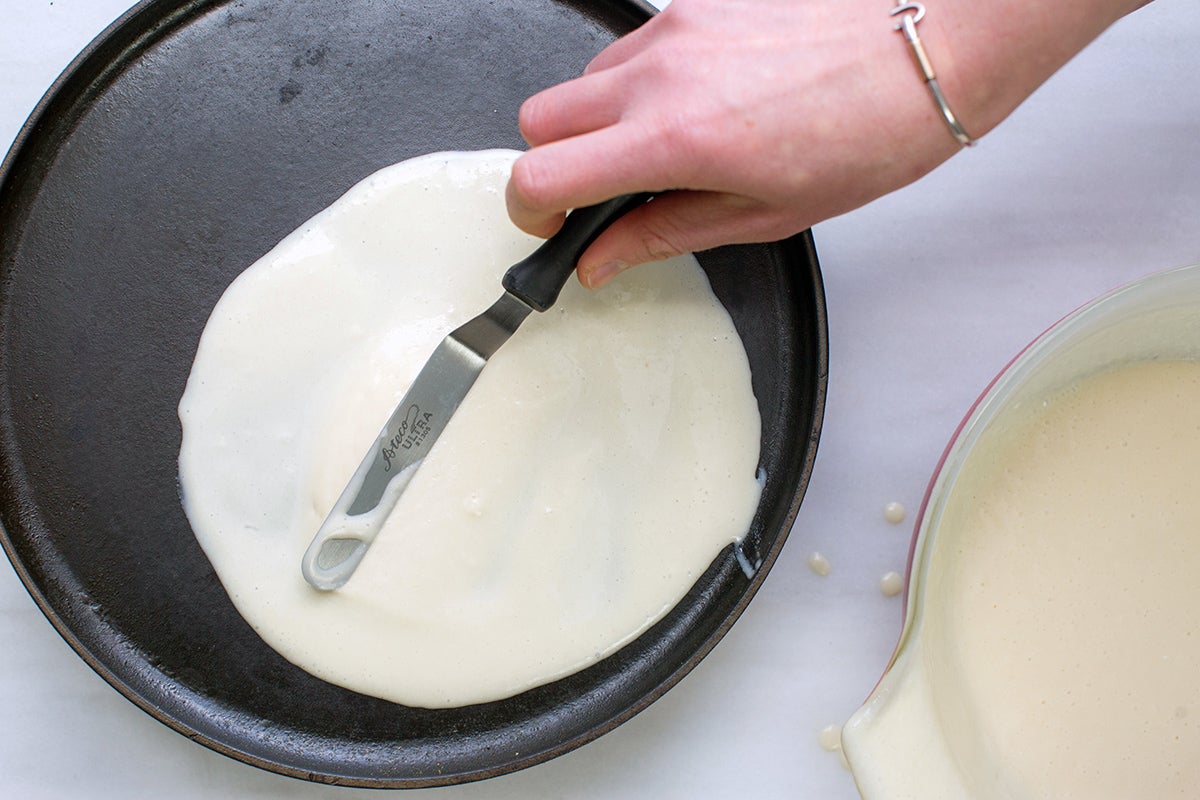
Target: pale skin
[(755, 119)]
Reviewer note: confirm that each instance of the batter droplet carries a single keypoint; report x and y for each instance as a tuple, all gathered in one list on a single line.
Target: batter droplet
[(891, 584), (819, 564)]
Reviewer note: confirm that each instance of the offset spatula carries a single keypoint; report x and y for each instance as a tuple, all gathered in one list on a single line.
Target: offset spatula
[(532, 284)]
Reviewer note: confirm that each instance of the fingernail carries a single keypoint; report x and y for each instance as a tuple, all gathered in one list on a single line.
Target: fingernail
[(602, 274)]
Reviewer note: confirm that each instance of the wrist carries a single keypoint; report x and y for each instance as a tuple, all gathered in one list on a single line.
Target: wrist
[(908, 16), (991, 56)]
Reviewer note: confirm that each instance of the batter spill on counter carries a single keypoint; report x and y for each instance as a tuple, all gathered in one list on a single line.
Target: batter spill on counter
[(1055, 645), (605, 456)]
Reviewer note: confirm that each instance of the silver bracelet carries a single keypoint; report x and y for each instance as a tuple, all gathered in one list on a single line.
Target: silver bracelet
[(910, 14)]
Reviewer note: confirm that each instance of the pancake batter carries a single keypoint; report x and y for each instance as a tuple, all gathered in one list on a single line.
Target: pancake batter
[(602, 460)]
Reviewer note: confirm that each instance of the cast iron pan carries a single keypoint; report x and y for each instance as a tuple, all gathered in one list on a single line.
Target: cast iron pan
[(181, 146)]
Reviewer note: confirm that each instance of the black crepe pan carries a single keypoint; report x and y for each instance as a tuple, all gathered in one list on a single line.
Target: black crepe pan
[(178, 148)]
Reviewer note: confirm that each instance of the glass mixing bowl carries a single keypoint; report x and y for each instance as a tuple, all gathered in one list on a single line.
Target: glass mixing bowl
[(916, 734)]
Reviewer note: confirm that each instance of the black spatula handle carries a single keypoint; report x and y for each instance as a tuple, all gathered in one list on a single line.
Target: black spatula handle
[(539, 278)]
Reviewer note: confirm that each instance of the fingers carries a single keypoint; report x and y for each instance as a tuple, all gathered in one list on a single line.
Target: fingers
[(676, 223), (594, 100), (537, 223), (573, 124), (626, 47), (583, 170), (572, 108)]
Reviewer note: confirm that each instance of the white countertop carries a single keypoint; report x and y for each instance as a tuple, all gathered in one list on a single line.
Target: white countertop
[(1093, 182)]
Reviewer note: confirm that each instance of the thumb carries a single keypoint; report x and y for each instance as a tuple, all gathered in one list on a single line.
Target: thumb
[(670, 225)]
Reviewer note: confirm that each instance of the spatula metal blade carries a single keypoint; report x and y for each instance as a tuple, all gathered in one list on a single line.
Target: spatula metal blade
[(419, 419)]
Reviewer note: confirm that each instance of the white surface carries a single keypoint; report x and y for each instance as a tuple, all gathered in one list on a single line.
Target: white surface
[(1094, 181)]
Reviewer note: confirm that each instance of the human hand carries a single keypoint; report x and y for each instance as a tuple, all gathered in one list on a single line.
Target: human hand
[(756, 119)]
